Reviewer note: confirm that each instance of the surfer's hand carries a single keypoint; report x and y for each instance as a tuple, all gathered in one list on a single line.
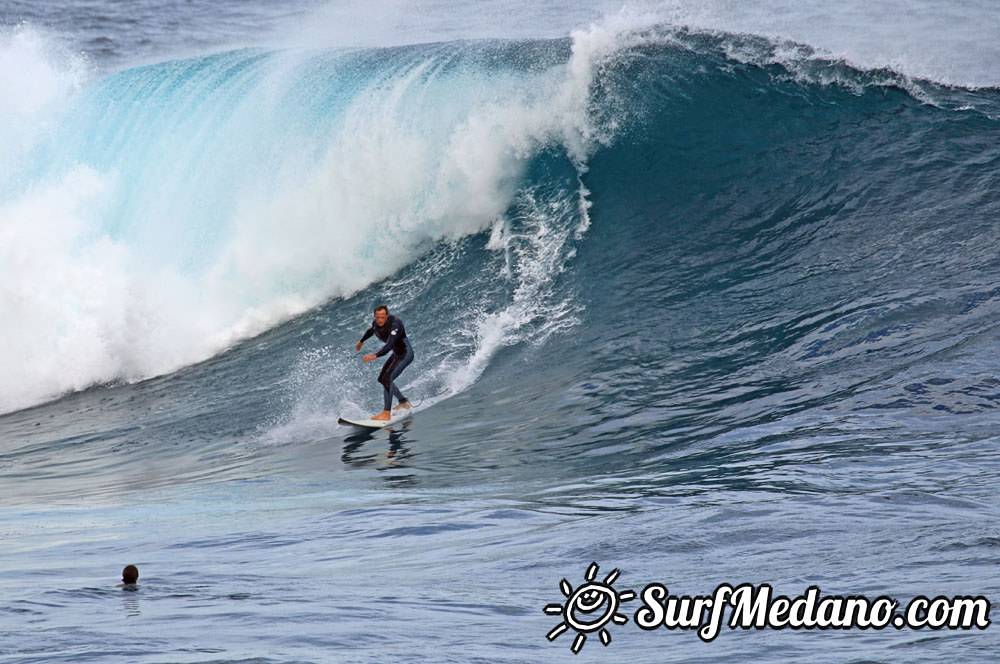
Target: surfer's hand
[(369, 358), (358, 346)]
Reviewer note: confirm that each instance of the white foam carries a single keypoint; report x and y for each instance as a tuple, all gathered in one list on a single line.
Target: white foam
[(59, 289), (38, 77), (538, 250)]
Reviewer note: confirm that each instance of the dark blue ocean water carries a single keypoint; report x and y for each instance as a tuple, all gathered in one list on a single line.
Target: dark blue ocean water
[(699, 305)]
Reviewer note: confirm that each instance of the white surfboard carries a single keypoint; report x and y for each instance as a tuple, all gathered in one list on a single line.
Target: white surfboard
[(397, 416)]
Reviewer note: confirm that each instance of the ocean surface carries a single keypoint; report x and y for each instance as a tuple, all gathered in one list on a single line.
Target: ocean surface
[(701, 292)]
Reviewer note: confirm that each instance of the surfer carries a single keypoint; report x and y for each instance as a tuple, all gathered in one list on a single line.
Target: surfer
[(390, 330)]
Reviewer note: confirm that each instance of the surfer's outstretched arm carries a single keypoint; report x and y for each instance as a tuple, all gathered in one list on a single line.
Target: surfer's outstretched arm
[(364, 337)]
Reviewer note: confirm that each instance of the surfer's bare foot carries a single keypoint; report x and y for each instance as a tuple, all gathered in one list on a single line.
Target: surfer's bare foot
[(402, 404), (384, 415)]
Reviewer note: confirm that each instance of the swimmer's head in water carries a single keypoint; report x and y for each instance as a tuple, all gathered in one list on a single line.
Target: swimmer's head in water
[(130, 574)]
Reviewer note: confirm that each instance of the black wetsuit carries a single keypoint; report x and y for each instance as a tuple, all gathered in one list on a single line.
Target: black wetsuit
[(394, 335)]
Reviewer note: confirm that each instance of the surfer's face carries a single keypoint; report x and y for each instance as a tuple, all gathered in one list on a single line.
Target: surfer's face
[(381, 316)]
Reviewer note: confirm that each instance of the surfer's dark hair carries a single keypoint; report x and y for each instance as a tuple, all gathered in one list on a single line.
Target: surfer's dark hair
[(130, 574), (382, 307)]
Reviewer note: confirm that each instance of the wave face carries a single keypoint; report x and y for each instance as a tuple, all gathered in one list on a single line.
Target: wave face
[(767, 208), (804, 230), (163, 213)]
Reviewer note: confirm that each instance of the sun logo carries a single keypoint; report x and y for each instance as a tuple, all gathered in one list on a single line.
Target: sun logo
[(589, 608)]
